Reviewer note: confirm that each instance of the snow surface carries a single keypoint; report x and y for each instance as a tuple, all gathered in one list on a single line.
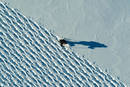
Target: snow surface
[(80, 23), (103, 21)]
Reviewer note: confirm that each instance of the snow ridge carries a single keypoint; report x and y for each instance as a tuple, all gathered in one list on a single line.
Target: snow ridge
[(31, 56)]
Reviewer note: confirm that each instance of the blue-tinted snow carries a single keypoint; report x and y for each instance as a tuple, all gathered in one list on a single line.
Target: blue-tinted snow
[(31, 56), (103, 21)]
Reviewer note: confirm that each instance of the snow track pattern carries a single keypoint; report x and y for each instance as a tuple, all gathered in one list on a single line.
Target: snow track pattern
[(30, 56)]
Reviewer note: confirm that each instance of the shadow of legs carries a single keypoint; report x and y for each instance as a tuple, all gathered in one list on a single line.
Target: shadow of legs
[(90, 44)]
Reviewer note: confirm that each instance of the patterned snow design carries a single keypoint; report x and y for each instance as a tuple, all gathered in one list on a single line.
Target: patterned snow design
[(30, 56)]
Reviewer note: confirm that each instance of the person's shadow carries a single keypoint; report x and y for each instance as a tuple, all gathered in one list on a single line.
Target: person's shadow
[(90, 44)]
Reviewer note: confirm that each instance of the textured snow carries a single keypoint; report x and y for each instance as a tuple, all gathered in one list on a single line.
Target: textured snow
[(30, 55), (103, 21)]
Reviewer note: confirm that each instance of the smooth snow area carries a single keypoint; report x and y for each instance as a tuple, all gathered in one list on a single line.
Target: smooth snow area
[(103, 21)]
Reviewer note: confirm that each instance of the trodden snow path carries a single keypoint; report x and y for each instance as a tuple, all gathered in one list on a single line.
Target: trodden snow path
[(31, 56)]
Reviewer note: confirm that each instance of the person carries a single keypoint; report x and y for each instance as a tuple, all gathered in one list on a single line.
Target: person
[(62, 42)]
